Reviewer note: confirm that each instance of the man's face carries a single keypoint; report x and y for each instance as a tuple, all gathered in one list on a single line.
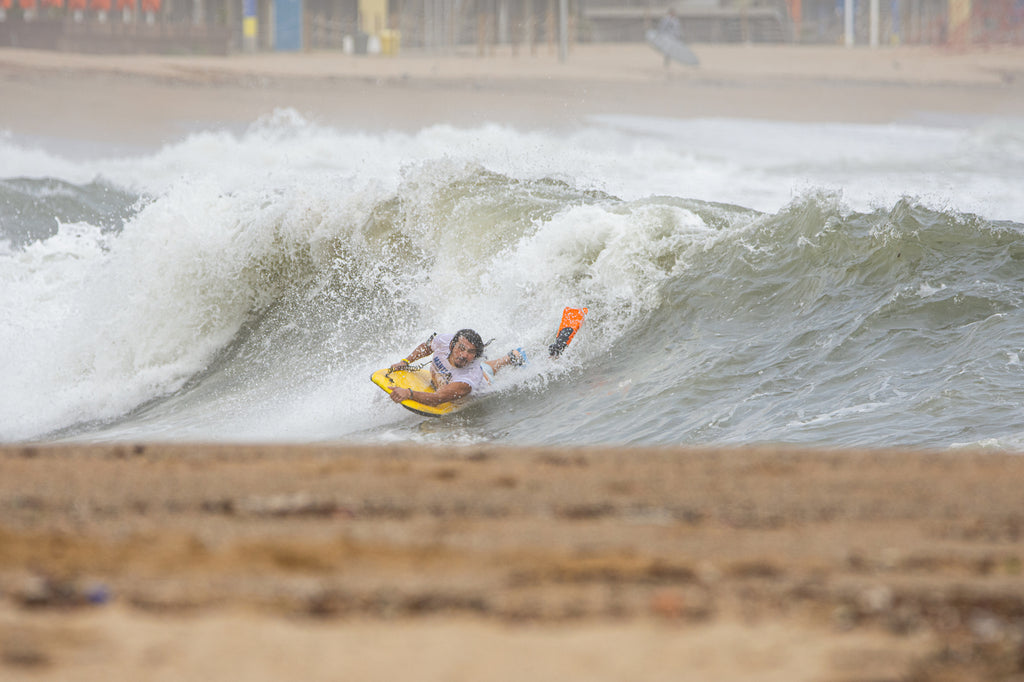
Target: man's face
[(462, 353)]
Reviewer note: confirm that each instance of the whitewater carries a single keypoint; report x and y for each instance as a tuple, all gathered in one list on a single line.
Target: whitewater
[(748, 282)]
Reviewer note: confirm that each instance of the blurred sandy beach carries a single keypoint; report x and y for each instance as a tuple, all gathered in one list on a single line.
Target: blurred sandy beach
[(148, 99), (318, 562)]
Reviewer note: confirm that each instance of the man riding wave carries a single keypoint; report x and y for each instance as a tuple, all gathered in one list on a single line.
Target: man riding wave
[(456, 369)]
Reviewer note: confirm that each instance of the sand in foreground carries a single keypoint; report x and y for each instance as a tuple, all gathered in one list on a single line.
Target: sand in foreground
[(151, 562)]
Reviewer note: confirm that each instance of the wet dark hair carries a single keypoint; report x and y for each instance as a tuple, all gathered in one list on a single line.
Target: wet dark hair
[(472, 337)]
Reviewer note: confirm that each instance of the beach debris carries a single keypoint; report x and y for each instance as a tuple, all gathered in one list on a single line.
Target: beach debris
[(292, 504), (40, 591)]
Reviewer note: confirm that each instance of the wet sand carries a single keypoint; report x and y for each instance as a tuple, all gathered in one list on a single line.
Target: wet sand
[(333, 562)]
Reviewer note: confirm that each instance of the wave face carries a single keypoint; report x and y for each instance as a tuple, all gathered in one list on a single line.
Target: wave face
[(747, 283)]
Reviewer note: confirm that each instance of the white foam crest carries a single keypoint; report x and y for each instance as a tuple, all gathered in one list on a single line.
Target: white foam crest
[(38, 307), (21, 161), (612, 259), (757, 164), (100, 323)]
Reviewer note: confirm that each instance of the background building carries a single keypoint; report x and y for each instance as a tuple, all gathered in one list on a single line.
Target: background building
[(389, 26)]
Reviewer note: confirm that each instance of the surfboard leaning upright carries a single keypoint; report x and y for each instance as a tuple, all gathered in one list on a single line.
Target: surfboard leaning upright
[(671, 46), (418, 378)]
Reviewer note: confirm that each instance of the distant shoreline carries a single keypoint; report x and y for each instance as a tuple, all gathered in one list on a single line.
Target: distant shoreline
[(153, 99), (900, 65)]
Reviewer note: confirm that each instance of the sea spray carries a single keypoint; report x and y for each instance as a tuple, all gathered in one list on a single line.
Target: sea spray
[(746, 287)]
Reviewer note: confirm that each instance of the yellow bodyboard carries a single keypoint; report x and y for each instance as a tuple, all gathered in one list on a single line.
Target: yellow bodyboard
[(417, 380)]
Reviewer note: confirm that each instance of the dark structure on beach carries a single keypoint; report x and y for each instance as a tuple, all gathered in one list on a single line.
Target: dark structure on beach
[(388, 26)]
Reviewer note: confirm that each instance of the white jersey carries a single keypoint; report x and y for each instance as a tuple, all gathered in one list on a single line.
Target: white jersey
[(444, 373)]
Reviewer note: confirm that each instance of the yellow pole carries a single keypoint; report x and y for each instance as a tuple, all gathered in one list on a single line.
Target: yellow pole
[(373, 16), (959, 21)]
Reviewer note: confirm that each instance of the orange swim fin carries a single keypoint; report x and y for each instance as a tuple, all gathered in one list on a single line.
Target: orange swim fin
[(572, 318)]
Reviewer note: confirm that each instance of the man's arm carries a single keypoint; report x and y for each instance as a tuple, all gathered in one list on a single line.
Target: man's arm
[(447, 393), (420, 351)]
